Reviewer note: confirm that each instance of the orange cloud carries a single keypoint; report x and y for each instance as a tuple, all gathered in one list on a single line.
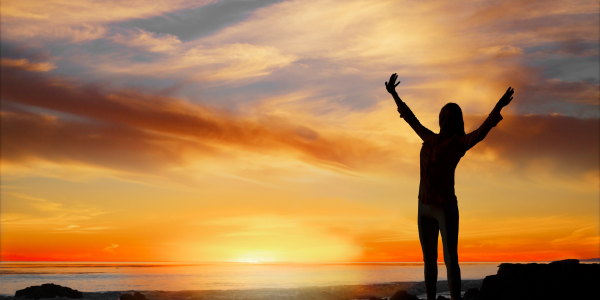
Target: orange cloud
[(139, 131), (27, 65)]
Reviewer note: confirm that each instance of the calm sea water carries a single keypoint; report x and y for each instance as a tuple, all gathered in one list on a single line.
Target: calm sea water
[(92, 277)]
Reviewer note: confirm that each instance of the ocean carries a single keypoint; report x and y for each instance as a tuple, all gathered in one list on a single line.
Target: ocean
[(123, 276)]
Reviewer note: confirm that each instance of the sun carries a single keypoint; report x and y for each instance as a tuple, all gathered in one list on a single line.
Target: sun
[(257, 257), (251, 261)]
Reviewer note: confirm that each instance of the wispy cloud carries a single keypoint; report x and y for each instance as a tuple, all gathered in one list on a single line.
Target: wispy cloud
[(147, 41), (111, 248), (51, 215), (39, 203), (585, 236), (80, 229)]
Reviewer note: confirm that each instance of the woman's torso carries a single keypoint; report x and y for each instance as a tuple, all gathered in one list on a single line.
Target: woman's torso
[(439, 159)]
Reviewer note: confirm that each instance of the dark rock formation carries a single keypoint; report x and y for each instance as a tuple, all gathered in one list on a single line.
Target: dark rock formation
[(565, 279), (134, 296), (471, 294), (440, 297), (48, 290), (403, 295)]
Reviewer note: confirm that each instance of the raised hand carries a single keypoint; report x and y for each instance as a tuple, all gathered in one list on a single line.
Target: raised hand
[(391, 85), (505, 100)]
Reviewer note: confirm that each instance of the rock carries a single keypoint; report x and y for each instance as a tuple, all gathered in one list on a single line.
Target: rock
[(489, 288), (440, 297), (471, 294), (403, 295), (134, 296), (565, 279), (48, 290)]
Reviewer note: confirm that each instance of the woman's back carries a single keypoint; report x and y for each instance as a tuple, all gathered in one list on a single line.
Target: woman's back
[(440, 156), (438, 165)]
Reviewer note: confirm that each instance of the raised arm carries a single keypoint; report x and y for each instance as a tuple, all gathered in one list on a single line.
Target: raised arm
[(405, 112), (492, 120)]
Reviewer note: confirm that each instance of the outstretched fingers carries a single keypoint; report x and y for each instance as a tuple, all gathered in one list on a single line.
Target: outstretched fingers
[(391, 85), (393, 78)]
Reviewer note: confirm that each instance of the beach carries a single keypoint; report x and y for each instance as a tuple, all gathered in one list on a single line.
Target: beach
[(287, 278), (305, 293), (565, 279)]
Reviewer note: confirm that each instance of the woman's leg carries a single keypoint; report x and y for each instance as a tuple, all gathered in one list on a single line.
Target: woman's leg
[(428, 234), (449, 229)]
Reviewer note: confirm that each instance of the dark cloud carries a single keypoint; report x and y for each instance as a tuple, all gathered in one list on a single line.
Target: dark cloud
[(571, 68), (572, 26), (547, 96), (573, 49), (193, 23), (16, 51), (578, 47), (538, 20), (571, 143)]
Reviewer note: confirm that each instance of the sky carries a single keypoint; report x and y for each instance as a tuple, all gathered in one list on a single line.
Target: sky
[(261, 130)]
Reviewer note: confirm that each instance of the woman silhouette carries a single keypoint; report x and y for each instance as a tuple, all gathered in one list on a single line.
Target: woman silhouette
[(438, 210)]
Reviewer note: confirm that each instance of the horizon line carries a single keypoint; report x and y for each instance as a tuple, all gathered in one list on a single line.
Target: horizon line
[(272, 262)]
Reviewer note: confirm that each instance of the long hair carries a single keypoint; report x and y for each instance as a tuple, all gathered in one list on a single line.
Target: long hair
[(451, 121)]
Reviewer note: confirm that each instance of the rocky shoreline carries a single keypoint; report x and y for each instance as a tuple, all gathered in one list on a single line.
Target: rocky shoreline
[(343, 292), (566, 279)]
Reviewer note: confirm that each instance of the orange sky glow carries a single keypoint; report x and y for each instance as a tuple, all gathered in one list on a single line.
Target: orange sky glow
[(261, 130)]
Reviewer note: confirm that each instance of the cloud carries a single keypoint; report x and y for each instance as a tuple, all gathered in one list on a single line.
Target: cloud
[(351, 30), (586, 236), (111, 248), (144, 133), (48, 215), (27, 65), (501, 51), (35, 33), (575, 47), (555, 90), (148, 41), (63, 19), (31, 137), (131, 131), (79, 229), (194, 62), (534, 22), (189, 24), (39, 203), (569, 146), (295, 88)]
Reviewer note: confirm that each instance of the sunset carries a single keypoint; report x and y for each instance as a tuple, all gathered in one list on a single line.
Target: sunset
[(260, 131)]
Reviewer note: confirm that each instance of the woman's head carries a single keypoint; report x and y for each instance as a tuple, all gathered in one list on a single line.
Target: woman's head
[(451, 120)]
